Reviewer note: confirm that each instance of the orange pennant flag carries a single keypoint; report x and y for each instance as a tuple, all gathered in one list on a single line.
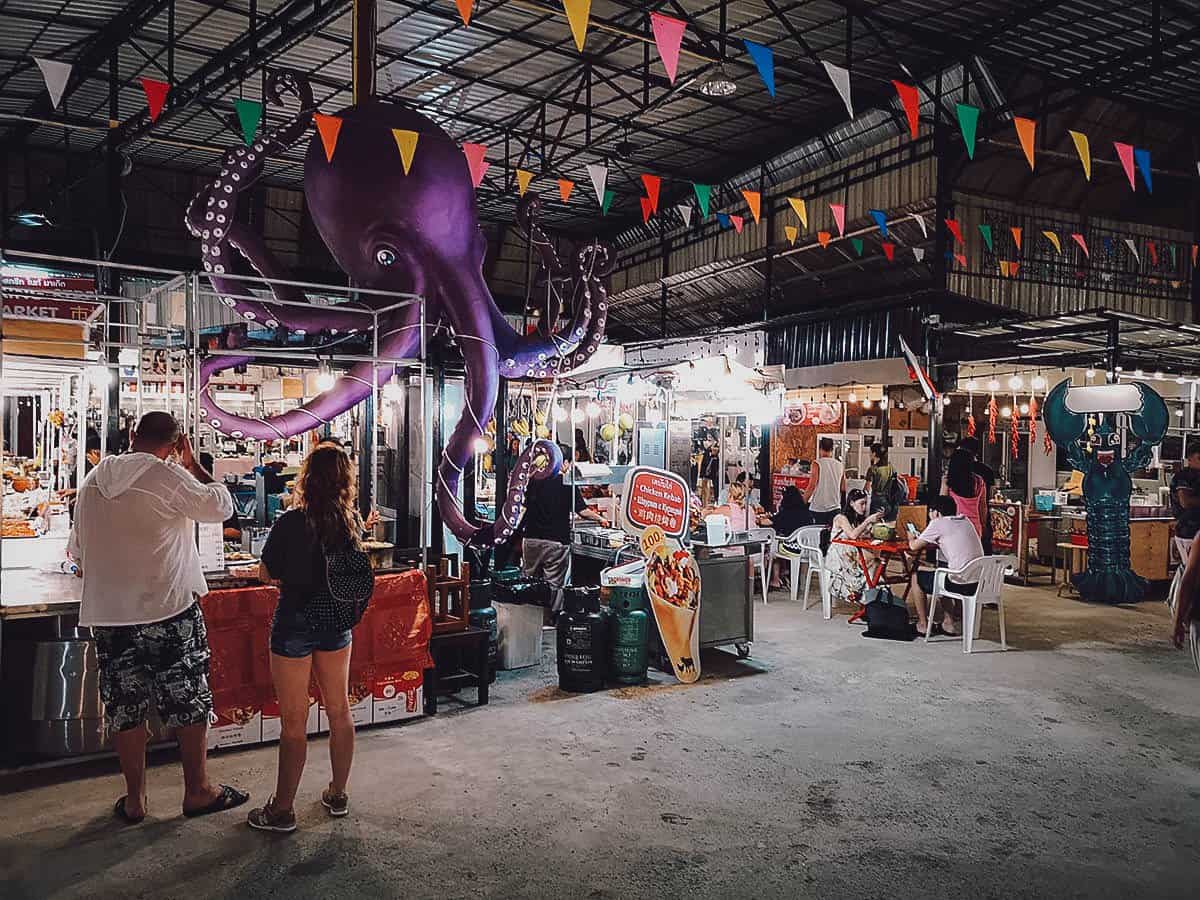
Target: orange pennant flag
[(523, 179), (823, 238), (465, 8), (792, 233), (565, 186), (754, 200), (1016, 233), (647, 208), (652, 183), (1025, 131), (328, 128), (800, 209), (407, 142), (737, 221)]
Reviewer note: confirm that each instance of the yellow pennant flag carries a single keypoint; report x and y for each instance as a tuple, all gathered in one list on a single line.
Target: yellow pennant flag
[(792, 233), (801, 210), (1085, 153), (1053, 239), (578, 14), (407, 142), (523, 179)]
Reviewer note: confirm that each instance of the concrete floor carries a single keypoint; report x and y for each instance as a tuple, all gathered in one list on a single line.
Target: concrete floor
[(828, 766)]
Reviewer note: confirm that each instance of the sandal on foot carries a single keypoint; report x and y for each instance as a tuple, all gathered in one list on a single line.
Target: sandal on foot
[(120, 813), (267, 818), (229, 798)]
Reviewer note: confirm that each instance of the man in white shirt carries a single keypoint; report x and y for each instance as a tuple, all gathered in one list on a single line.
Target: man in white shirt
[(957, 543), (826, 485), (134, 540)]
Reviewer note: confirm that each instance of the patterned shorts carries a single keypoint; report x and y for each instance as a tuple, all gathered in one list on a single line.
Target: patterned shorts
[(166, 662)]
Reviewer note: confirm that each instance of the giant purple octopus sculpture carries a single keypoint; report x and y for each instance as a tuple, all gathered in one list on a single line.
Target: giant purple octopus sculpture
[(416, 233)]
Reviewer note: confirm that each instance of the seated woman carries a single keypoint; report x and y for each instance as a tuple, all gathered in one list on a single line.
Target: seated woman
[(846, 578), (792, 514), (742, 516)]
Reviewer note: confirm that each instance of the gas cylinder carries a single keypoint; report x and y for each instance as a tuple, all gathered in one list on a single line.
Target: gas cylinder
[(582, 641), (629, 652), (483, 615)]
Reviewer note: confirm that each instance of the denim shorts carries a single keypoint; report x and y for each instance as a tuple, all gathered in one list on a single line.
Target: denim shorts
[(293, 637)]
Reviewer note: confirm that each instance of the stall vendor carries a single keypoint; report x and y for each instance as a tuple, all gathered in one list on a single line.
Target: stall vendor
[(1185, 495)]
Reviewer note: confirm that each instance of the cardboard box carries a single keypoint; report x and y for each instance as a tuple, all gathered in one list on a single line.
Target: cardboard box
[(398, 696), (361, 703), (272, 724), (239, 722)]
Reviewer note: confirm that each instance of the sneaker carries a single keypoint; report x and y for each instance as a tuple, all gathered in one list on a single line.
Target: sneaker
[(267, 818), (337, 804)]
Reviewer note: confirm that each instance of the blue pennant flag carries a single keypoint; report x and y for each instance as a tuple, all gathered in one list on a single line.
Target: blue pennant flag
[(1142, 158), (723, 219), (764, 59), (880, 218), (1108, 245)]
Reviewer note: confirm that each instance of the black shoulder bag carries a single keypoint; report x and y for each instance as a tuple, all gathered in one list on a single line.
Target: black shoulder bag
[(887, 616), (349, 582)]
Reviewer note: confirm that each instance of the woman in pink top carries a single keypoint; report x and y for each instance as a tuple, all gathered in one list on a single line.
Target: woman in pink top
[(966, 489), (741, 518)]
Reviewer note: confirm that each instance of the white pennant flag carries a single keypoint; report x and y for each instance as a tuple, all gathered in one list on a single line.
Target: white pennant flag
[(685, 210), (599, 176), (841, 80), (55, 74), (1133, 249), (919, 253), (921, 222)]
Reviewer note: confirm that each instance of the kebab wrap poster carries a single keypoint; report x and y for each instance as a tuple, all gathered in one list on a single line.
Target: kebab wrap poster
[(654, 508)]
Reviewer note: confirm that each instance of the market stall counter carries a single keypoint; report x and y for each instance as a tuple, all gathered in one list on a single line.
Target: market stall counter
[(49, 672)]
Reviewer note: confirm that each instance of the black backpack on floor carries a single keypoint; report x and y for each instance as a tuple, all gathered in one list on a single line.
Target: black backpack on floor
[(887, 616)]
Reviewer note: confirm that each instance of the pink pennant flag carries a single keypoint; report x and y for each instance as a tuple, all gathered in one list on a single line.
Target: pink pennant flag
[(839, 216), (668, 35), (889, 250), (476, 164), (653, 183), (647, 209), (961, 259), (956, 230), (1078, 238), (737, 221), (1125, 151)]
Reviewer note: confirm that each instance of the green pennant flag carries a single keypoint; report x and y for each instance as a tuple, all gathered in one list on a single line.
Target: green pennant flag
[(858, 245), (608, 199), (703, 194), (249, 113), (968, 121), (986, 231)]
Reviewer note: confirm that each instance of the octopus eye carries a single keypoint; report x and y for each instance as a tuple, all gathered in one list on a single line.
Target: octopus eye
[(385, 256)]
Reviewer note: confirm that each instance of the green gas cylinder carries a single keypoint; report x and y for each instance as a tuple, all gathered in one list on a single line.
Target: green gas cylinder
[(630, 623)]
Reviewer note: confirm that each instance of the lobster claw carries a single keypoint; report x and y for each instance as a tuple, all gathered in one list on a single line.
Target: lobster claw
[(1065, 427), (1150, 422)]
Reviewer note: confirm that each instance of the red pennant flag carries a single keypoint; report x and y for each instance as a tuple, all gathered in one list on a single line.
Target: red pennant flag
[(1078, 238), (1125, 152), (956, 230), (911, 103), (889, 250), (754, 201), (823, 238), (1025, 131), (1012, 268), (464, 9), (652, 183), (647, 208), (668, 35), (328, 127), (737, 221), (1016, 233), (1152, 249), (476, 164), (156, 96), (565, 186), (960, 258)]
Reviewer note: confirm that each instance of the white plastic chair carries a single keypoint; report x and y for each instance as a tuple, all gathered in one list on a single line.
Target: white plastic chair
[(762, 561), (1183, 547), (808, 539), (988, 574)]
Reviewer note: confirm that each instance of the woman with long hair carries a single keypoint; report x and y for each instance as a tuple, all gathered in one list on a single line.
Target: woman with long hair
[(324, 519), (846, 578), (966, 488)]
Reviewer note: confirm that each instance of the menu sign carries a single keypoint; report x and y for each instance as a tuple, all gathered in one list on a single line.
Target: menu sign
[(34, 307), (654, 497), (210, 539)]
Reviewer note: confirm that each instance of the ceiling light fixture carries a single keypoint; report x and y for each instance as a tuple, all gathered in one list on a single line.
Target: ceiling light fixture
[(718, 83)]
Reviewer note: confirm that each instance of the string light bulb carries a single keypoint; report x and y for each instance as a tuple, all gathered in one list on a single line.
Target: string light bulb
[(480, 444), (853, 398), (1024, 409), (883, 402), (993, 385), (1006, 412), (972, 385), (1016, 382), (1039, 383), (325, 378)]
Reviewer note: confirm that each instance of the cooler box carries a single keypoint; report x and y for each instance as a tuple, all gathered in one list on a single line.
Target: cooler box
[(520, 635)]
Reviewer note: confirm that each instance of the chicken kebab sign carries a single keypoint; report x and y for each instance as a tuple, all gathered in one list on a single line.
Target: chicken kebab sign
[(654, 508)]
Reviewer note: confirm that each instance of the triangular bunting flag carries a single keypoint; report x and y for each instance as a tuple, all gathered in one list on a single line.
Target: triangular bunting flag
[(956, 230), (1152, 249), (738, 222), (880, 218), (703, 194), (1174, 258), (249, 113), (647, 209), (1013, 267), (754, 201), (889, 250), (608, 199), (857, 244), (1053, 239), (986, 231), (476, 164), (55, 74), (1108, 245), (653, 183), (1142, 158), (801, 210), (328, 127), (685, 212), (839, 217), (1016, 233), (524, 177), (968, 124), (578, 13), (841, 80), (911, 103), (961, 259), (565, 186), (723, 220), (924, 226), (823, 238), (1125, 152), (464, 10), (1026, 129), (156, 96), (1133, 249), (1195, 253), (919, 254), (764, 61), (668, 35), (1078, 238), (792, 233), (599, 176), (1084, 151), (1003, 267), (406, 141)]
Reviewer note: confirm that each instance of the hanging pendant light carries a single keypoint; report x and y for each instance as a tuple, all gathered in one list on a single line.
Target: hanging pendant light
[(718, 83)]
